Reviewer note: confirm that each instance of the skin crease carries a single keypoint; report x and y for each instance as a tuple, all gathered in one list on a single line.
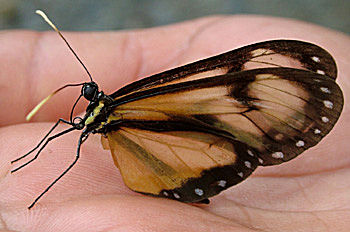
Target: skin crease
[(310, 193)]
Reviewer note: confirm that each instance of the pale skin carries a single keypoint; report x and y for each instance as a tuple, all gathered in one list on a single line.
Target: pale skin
[(309, 193)]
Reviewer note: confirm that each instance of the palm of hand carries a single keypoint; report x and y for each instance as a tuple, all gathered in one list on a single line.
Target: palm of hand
[(308, 193)]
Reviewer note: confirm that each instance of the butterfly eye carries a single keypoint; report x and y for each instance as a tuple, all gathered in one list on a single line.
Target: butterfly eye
[(90, 91)]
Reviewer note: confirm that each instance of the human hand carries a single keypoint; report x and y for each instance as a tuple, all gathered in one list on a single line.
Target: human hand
[(309, 193)]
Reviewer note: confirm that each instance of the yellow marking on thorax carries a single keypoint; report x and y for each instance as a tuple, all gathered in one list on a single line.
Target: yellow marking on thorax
[(95, 112), (114, 117)]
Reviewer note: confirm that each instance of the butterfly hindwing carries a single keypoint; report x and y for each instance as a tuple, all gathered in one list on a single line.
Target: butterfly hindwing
[(258, 117), (185, 165)]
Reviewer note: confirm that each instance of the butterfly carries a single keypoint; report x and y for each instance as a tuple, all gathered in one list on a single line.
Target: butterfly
[(193, 131)]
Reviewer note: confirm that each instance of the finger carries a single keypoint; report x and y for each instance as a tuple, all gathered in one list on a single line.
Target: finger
[(35, 64)]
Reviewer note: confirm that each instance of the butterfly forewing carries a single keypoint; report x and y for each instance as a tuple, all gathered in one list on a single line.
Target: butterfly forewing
[(275, 53)]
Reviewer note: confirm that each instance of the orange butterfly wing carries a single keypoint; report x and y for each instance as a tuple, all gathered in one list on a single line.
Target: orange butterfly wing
[(190, 137), (188, 166)]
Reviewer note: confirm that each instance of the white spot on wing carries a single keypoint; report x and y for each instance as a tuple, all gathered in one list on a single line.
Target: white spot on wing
[(316, 59), (325, 90), (320, 72), (166, 193), (222, 183), (261, 161), (177, 196), (328, 104), (278, 155), (240, 174), (317, 131), (250, 153), (300, 143), (247, 164), (325, 119), (199, 191)]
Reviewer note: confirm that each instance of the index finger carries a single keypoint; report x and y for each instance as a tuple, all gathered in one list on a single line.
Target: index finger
[(34, 64)]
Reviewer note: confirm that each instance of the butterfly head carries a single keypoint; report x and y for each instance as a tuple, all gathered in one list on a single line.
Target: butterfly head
[(90, 91)]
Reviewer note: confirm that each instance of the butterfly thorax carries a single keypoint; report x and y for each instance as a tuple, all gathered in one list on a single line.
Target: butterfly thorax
[(97, 113)]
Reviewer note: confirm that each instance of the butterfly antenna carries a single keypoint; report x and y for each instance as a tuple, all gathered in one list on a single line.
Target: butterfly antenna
[(37, 107), (43, 15)]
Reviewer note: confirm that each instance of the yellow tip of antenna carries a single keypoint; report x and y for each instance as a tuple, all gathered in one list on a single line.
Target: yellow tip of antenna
[(37, 107), (44, 16)]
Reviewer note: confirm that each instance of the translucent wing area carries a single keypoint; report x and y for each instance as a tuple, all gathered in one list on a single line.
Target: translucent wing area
[(189, 141), (184, 165), (275, 53)]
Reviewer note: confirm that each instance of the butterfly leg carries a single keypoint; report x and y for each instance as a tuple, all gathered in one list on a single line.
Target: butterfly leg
[(47, 141), (82, 138), (37, 146)]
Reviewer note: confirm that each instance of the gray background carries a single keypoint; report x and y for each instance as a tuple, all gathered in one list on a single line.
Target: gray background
[(82, 15)]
